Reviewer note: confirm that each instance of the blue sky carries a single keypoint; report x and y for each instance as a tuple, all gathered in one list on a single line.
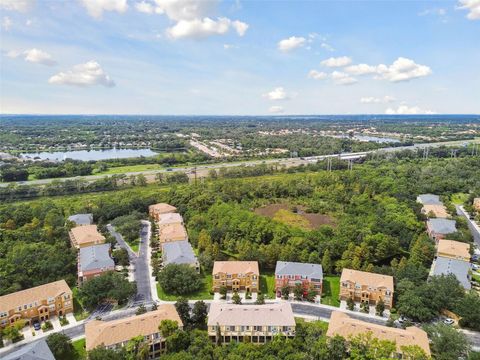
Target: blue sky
[(239, 57)]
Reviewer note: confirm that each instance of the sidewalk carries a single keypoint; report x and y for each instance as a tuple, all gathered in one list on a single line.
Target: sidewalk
[(153, 282)]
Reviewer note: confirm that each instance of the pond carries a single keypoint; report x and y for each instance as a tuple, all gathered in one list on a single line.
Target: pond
[(87, 155)]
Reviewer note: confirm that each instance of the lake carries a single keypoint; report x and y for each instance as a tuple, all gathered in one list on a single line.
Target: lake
[(87, 155)]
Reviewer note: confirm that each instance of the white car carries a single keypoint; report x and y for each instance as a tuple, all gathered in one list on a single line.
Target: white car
[(448, 321)]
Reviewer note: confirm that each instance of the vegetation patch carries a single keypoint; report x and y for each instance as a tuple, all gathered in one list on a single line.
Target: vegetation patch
[(331, 290), (204, 293)]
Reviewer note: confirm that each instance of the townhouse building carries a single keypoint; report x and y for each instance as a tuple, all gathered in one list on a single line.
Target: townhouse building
[(39, 303), (362, 286), (117, 333), (156, 210), (179, 252), (459, 268), (86, 235), (453, 250), (236, 275), (255, 323), (81, 219), (309, 276), (435, 211), (168, 219), (429, 199), (93, 261), (440, 228), (38, 350), (172, 232), (343, 325)]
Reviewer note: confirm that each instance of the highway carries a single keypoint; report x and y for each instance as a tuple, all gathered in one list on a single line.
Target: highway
[(202, 170)]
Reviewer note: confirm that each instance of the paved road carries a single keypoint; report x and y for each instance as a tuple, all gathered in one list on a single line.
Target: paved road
[(472, 225), (139, 262), (282, 161), (326, 313)]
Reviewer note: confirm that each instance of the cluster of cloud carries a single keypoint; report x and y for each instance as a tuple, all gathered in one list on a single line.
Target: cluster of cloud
[(293, 42), (82, 75), (408, 110), (6, 23), (17, 5), (191, 18), (96, 7), (473, 7), (377, 100), (278, 93), (34, 55), (402, 69)]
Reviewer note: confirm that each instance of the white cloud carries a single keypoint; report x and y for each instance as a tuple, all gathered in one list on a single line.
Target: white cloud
[(341, 78), (13, 54), (229, 46), (185, 9), (326, 46), (83, 75), (145, 7), (402, 69), (473, 7), (293, 42), (407, 110), (375, 100), (96, 7), (39, 57), (276, 109), (198, 28), (277, 94), (317, 75), (17, 5), (7, 23), (361, 69), (337, 62)]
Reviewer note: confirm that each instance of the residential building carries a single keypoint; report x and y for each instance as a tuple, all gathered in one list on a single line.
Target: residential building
[(81, 219), (172, 232), (435, 211), (179, 252), (343, 325), (310, 276), (36, 304), (453, 249), (170, 218), (476, 204), (439, 228), (117, 333), (156, 210), (429, 199), (37, 350), (362, 286), (86, 235), (255, 323), (459, 268), (236, 275), (93, 261)]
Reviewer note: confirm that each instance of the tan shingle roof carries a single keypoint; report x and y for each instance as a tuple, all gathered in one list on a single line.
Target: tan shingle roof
[(162, 208), (86, 234), (367, 278), (235, 267), (170, 218), (108, 333), (38, 293), (251, 315), (173, 232), (343, 325), (455, 249), (438, 210), (476, 203)]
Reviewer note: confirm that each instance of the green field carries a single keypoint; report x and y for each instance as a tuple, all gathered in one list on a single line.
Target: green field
[(202, 294), (79, 346), (130, 168), (459, 198), (331, 290), (267, 284)]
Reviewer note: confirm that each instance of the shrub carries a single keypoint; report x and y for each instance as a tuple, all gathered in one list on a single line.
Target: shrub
[(179, 279)]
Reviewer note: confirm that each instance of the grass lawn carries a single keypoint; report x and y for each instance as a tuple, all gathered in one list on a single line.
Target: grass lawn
[(292, 219), (130, 168), (134, 245), (459, 198), (331, 290), (267, 284), (78, 311), (79, 346), (202, 294)]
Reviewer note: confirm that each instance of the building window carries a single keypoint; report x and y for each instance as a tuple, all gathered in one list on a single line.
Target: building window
[(232, 328)]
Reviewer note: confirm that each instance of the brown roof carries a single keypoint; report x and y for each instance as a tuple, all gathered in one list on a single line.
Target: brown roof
[(455, 249), (235, 267), (109, 333), (476, 203), (173, 232), (170, 218), (438, 210), (343, 325), (162, 208), (38, 293), (367, 278), (87, 234), (251, 315)]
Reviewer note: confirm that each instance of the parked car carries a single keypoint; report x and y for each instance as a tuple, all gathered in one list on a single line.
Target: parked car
[(36, 325), (448, 321)]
